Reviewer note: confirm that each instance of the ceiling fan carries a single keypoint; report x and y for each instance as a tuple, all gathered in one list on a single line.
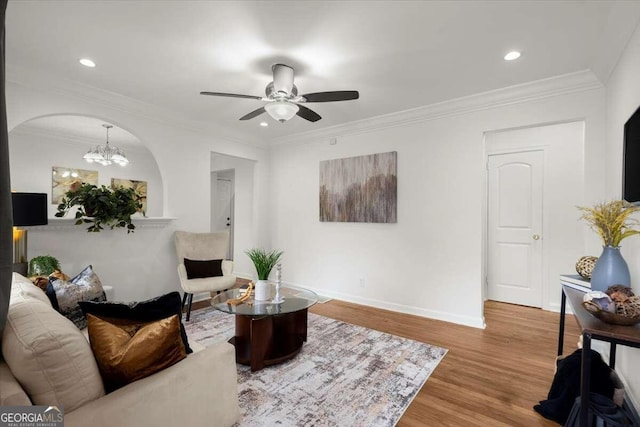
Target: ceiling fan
[(283, 101)]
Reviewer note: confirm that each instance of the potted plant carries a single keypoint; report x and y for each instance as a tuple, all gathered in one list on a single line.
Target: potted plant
[(613, 223), (102, 206), (43, 265), (263, 261)]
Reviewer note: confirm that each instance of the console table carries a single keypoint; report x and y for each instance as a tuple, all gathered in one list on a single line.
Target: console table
[(592, 328)]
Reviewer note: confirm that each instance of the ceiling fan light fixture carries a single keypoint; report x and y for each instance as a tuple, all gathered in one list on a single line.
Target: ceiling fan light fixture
[(281, 110)]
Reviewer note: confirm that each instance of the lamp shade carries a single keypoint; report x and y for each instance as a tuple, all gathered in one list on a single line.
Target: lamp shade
[(29, 209)]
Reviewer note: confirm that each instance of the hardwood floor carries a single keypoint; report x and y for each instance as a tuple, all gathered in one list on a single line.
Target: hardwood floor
[(489, 377)]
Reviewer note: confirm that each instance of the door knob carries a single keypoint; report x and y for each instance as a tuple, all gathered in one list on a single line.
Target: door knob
[(536, 237)]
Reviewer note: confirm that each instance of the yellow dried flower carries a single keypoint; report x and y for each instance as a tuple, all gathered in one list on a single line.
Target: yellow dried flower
[(611, 220)]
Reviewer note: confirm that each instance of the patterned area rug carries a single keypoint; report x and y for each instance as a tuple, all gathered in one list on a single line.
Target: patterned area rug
[(345, 375)]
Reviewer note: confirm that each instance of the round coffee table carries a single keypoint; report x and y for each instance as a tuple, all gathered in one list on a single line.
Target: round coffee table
[(268, 333)]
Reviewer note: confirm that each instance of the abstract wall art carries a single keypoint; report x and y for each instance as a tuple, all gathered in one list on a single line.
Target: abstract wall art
[(359, 189), (65, 179), (139, 186)]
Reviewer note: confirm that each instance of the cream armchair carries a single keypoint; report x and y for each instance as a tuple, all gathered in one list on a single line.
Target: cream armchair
[(203, 246)]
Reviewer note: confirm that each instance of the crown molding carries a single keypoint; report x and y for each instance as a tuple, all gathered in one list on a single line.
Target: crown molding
[(60, 86), (580, 81)]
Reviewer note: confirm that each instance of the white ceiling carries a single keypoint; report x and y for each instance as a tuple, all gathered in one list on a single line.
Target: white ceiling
[(399, 55), (87, 130)]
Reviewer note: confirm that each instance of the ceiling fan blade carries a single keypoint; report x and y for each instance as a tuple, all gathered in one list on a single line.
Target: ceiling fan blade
[(254, 113), (340, 95), (308, 114), (231, 95), (282, 78)]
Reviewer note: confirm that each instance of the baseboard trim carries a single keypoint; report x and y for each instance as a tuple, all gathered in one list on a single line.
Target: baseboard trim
[(400, 308), (555, 307), (475, 322)]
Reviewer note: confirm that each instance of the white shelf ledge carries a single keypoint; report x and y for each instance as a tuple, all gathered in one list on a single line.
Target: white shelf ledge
[(69, 223)]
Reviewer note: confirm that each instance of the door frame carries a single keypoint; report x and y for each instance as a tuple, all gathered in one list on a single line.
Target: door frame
[(232, 179), (485, 213)]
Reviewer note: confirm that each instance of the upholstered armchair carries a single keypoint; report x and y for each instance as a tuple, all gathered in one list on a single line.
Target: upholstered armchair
[(203, 247)]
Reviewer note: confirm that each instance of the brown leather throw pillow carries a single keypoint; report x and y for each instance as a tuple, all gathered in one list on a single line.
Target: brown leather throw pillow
[(127, 351)]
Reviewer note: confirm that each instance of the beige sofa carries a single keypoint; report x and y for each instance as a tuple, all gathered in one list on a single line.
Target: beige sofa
[(48, 361)]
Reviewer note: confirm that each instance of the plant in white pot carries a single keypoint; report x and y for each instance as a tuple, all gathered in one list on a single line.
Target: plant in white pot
[(263, 261)]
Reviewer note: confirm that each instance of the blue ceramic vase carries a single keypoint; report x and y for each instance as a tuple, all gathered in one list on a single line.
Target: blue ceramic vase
[(610, 269)]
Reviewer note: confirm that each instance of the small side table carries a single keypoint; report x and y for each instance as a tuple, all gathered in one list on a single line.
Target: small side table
[(592, 328)]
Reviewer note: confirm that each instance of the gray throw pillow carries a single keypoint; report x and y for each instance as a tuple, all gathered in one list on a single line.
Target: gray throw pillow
[(65, 295)]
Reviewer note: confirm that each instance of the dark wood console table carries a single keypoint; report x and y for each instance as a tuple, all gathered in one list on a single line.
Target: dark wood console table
[(592, 328)]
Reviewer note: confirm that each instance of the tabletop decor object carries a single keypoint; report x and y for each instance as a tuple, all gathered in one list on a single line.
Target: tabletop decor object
[(277, 299), (263, 261), (613, 223), (585, 265), (618, 306), (245, 296)]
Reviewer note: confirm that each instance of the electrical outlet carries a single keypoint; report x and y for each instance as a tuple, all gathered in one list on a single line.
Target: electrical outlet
[(362, 282)]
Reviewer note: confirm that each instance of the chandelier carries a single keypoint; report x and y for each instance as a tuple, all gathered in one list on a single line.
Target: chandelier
[(105, 154)]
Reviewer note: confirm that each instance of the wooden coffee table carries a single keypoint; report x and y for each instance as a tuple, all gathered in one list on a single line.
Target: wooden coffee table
[(268, 333)]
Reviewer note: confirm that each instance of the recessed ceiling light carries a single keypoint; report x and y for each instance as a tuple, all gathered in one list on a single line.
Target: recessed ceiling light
[(514, 54), (87, 62), (264, 124)]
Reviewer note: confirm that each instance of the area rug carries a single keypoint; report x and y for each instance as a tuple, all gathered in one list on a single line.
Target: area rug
[(345, 375)]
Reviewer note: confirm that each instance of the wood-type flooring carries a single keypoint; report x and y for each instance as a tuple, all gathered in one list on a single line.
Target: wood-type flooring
[(489, 377)]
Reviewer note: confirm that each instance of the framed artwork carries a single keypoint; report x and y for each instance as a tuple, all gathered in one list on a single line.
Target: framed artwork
[(359, 189), (139, 186), (64, 179)]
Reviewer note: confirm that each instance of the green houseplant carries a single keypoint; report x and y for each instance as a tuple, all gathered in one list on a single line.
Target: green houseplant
[(613, 223), (263, 261), (43, 265), (102, 206)]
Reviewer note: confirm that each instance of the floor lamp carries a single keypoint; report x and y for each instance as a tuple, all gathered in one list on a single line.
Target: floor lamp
[(28, 209)]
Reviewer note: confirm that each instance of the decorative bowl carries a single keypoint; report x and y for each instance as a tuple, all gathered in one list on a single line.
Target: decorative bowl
[(607, 317)]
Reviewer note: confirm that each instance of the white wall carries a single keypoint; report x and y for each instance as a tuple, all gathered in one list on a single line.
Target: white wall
[(430, 262), (143, 264), (41, 153), (623, 98)]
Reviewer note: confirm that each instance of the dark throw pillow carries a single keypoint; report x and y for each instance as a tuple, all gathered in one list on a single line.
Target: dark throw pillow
[(65, 296), (202, 269), (127, 350), (145, 311)]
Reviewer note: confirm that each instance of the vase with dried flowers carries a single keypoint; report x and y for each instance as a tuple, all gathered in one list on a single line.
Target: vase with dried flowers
[(613, 222)]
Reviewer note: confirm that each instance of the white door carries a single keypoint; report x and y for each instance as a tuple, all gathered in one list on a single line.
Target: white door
[(223, 214), (514, 270)]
